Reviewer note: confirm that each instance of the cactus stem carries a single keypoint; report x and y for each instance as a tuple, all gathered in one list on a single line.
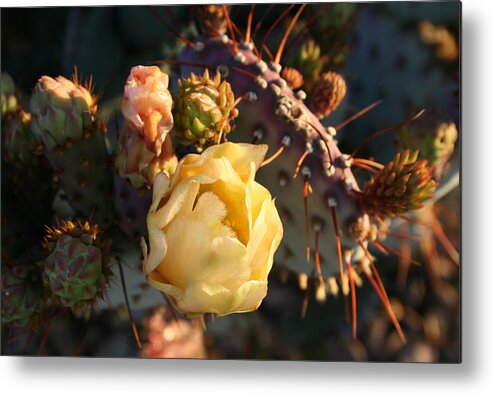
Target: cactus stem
[(357, 115), (389, 129), (282, 44)]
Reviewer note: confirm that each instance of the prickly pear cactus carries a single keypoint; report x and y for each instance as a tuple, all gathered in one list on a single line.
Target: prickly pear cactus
[(338, 202)]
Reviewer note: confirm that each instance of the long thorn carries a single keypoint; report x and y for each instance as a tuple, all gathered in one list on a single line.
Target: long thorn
[(391, 128), (249, 23), (272, 27), (392, 251), (335, 221), (443, 239), (357, 115), (306, 185), (353, 293), (388, 307), (300, 162), (287, 33), (381, 292), (132, 322), (304, 27), (230, 27), (317, 251), (368, 162), (273, 156)]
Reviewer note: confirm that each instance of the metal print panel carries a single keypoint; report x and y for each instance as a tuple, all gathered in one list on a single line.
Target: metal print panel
[(259, 181)]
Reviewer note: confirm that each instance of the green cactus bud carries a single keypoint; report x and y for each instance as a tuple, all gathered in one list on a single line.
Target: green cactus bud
[(10, 102), (75, 272), (403, 185), (62, 110), (21, 292), (309, 62), (329, 92), (203, 110), (432, 135)]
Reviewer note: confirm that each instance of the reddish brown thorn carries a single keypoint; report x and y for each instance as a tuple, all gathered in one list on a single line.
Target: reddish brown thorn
[(267, 51), (287, 33), (388, 307), (230, 27), (249, 23), (357, 115), (338, 240), (300, 162), (309, 23), (353, 293), (339, 256), (364, 167), (443, 239), (391, 128), (244, 72), (317, 250), (392, 251), (306, 186), (272, 27), (273, 156), (161, 20), (134, 327), (368, 162), (382, 294)]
